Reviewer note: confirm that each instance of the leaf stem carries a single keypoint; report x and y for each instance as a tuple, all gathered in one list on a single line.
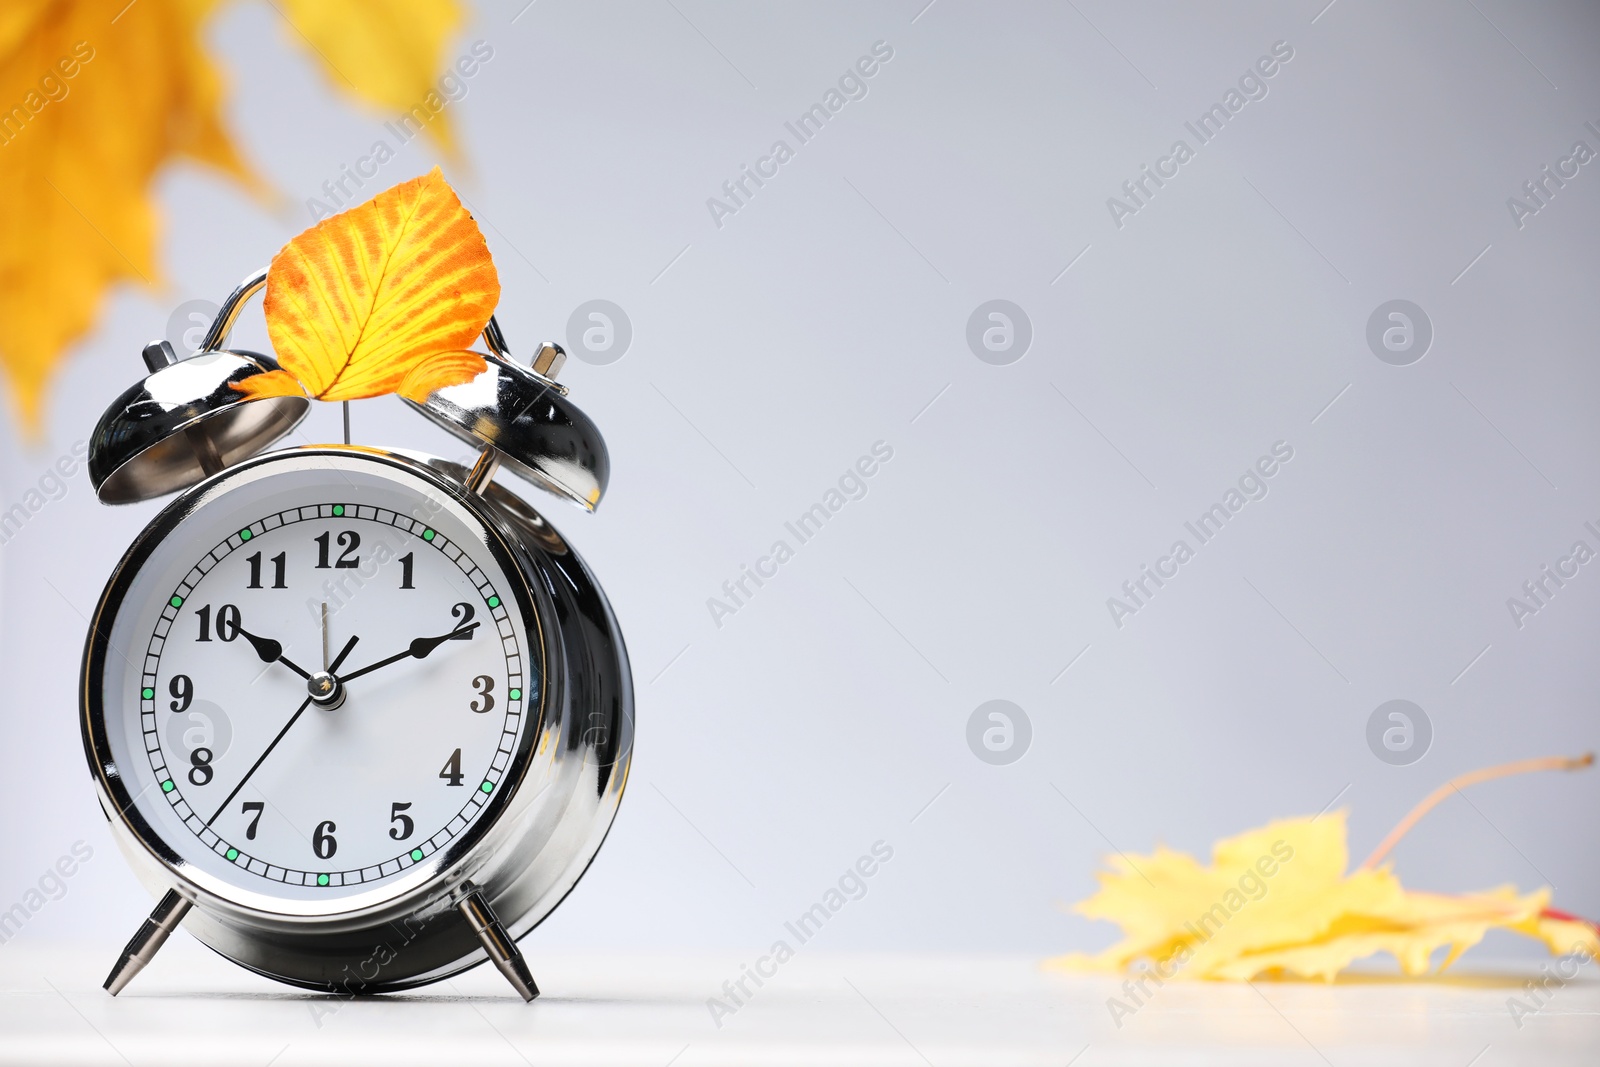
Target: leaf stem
[(1502, 770), (1568, 917)]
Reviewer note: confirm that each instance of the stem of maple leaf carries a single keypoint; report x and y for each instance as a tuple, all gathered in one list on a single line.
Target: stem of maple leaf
[(1502, 770), (1568, 917)]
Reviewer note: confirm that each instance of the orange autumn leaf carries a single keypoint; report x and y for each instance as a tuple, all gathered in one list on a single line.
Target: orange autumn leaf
[(384, 296), (272, 383), (96, 96), (446, 368)]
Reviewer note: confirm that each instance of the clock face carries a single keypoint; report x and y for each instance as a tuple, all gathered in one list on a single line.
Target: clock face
[(318, 681)]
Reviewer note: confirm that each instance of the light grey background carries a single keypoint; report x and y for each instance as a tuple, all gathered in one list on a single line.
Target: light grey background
[(830, 313)]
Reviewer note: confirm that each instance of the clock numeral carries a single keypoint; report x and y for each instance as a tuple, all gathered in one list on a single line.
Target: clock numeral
[(484, 685), (182, 690), (200, 771), (322, 842), (279, 562), (245, 809), (407, 563), (227, 622), (349, 540), (404, 830), (463, 613), (452, 769)]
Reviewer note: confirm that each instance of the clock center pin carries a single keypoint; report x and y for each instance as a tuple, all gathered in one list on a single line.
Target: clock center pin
[(327, 692)]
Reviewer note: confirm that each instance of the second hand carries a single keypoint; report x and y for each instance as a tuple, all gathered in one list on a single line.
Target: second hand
[(349, 645)]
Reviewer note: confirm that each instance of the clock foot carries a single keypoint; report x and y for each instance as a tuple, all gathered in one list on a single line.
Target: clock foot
[(502, 950), (148, 941)]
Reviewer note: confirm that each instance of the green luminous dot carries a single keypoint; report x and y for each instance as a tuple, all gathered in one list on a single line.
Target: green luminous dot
[(427, 535), (516, 694), (245, 535), (338, 509), (232, 854), (487, 787), (149, 694), (416, 854), (494, 602), (176, 601), (322, 879), (167, 786)]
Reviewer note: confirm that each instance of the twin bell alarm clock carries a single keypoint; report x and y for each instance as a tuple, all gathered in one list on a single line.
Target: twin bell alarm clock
[(359, 717)]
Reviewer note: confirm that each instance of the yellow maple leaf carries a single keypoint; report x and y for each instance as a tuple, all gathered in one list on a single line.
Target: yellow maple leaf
[(1410, 927), (382, 298), (95, 96), (387, 52), (1277, 900)]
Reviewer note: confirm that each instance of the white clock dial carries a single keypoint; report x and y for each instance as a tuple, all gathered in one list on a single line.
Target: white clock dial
[(218, 650)]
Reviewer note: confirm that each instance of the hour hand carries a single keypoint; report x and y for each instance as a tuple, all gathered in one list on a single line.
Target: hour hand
[(424, 645), (271, 651), (419, 649)]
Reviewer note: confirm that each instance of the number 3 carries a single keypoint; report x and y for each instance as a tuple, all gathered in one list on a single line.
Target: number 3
[(484, 685)]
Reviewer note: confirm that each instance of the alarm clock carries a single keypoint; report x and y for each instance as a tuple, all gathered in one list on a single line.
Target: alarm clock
[(360, 717)]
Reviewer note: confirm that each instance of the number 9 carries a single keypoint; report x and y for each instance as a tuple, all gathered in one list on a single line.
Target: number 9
[(182, 690)]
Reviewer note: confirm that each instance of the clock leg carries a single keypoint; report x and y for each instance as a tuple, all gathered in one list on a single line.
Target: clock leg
[(502, 950), (148, 941)]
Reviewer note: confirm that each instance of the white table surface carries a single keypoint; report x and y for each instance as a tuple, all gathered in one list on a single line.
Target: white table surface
[(191, 1007)]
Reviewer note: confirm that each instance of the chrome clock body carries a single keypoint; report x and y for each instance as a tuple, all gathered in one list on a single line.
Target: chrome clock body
[(555, 791)]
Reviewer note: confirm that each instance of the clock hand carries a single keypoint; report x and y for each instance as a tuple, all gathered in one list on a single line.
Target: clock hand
[(420, 648), (271, 651), (304, 704), (338, 660)]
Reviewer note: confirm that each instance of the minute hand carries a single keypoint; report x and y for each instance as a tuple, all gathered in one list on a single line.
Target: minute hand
[(420, 648)]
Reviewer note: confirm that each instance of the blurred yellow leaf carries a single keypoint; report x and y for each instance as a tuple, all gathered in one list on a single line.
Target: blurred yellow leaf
[(1281, 884), (95, 96), (387, 52), (384, 296), (1410, 927), (1277, 900)]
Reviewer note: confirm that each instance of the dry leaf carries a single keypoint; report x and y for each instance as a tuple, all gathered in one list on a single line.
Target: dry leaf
[(446, 368), (272, 383), (90, 110), (1277, 900), (79, 150), (387, 52), (383, 296)]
